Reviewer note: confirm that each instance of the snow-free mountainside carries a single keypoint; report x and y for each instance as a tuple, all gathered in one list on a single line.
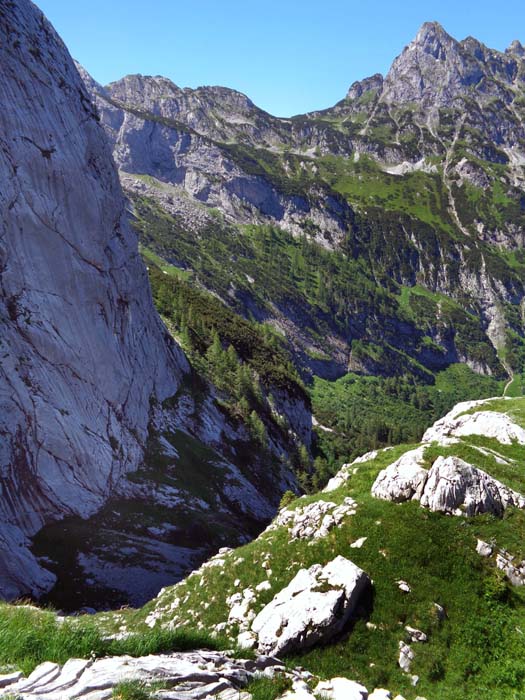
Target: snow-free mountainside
[(97, 401), (262, 412)]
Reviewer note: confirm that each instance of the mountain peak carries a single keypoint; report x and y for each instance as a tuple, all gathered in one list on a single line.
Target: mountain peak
[(430, 28), (516, 48), (432, 39)]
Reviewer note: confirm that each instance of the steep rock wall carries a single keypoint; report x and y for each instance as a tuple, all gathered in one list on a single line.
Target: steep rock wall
[(82, 351)]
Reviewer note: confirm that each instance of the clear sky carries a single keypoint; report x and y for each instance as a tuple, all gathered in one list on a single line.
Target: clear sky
[(288, 56)]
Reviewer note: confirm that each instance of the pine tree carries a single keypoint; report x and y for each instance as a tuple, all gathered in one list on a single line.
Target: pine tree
[(258, 429)]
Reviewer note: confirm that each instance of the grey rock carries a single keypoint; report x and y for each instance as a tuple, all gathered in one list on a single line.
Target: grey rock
[(484, 549), (415, 635), (404, 479), (314, 607), (380, 694), (513, 570), (82, 349), (186, 676), (9, 678), (454, 486), (341, 689), (315, 520), (406, 656)]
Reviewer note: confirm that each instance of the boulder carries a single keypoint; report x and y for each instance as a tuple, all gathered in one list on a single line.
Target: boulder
[(454, 486), (402, 480), (341, 689), (484, 549), (380, 694), (314, 607), (406, 656), (415, 635), (450, 486)]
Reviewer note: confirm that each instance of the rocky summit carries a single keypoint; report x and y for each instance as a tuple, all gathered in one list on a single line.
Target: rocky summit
[(262, 414)]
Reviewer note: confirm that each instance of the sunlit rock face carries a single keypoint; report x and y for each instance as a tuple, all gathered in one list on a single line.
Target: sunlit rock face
[(82, 351)]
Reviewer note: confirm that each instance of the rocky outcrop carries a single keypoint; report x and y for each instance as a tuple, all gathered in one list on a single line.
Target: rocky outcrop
[(196, 675), (314, 520), (180, 136), (463, 421), (83, 351), (314, 607), (450, 486), (453, 486), (404, 479)]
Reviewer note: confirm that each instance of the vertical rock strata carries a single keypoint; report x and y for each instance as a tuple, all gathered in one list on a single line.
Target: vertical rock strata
[(82, 351)]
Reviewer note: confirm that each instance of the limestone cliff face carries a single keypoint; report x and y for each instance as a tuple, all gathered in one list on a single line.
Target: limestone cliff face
[(82, 352), (190, 139)]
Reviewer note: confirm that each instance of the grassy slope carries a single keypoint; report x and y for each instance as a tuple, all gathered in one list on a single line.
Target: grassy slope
[(476, 652), (348, 294)]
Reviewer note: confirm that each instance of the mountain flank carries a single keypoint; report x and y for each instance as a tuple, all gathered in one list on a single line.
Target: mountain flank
[(98, 401)]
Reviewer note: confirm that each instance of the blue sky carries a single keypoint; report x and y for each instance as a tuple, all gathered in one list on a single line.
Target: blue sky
[(289, 56)]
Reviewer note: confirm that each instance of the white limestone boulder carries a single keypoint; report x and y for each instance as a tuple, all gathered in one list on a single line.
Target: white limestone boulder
[(490, 424), (380, 694), (484, 549), (314, 607), (454, 486), (406, 656), (341, 689), (450, 486), (404, 479)]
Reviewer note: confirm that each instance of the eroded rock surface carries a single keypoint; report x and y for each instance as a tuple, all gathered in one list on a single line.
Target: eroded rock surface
[(196, 675), (449, 486), (82, 349), (454, 486), (314, 607)]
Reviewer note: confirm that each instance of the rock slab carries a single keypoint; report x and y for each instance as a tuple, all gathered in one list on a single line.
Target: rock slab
[(82, 350), (186, 676)]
